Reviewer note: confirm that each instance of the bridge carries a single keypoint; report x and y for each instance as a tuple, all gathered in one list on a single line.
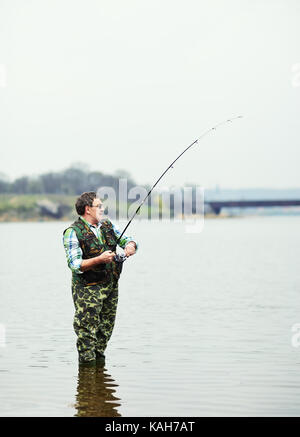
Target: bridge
[(217, 205)]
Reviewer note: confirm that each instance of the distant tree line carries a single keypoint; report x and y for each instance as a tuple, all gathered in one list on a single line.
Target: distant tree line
[(77, 179), (72, 181)]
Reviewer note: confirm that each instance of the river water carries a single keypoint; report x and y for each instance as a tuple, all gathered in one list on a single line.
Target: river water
[(204, 323)]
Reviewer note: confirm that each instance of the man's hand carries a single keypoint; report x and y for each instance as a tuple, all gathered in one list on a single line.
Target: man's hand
[(130, 248), (107, 257)]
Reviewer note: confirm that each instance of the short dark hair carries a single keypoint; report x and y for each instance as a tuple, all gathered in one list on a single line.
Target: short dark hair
[(86, 199)]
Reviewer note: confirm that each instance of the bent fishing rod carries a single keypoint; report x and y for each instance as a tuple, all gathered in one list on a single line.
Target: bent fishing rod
[(121, 258)]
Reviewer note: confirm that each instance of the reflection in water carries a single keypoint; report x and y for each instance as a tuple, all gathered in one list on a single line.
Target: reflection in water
[(95, 393)]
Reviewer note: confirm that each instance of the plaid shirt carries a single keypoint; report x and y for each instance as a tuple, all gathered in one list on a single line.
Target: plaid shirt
[(73, 249)]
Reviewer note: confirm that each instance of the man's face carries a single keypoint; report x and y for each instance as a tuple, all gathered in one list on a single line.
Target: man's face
[(95, 211)]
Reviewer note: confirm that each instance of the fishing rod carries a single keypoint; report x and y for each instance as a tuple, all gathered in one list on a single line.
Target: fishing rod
[(121, 258)]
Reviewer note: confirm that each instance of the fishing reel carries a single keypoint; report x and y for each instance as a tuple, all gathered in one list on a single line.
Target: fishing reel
[(120, 258)]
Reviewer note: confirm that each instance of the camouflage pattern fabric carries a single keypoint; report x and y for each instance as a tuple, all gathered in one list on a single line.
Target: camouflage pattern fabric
[(95, 313), (92, 247)]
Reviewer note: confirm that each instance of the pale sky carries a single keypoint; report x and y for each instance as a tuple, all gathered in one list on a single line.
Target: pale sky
[(129, 84)]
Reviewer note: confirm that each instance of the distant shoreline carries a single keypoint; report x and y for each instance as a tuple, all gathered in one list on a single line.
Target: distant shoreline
[(122, 219), (38, 208)]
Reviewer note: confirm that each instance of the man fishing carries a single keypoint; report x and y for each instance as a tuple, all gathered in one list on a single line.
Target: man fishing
[(90, 244), (90, 248)]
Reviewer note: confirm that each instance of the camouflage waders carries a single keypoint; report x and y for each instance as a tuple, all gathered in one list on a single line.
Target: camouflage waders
[(95, 313), (95, 292)]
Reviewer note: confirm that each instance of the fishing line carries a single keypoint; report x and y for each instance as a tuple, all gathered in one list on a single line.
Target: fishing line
[(229, 120)]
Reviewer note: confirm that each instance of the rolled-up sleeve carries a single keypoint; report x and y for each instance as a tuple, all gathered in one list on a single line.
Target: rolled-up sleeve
[(124, 240), (73, 250)]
